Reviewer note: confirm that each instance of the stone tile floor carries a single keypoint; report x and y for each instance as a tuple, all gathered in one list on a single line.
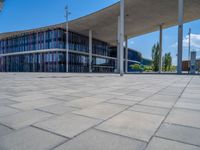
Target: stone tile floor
[(40, 111)]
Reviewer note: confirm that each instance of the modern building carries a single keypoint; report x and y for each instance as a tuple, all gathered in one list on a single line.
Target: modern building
[(43, 50), (96, 41), (185, 65)]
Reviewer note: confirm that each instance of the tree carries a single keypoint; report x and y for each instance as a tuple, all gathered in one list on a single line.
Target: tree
[(167, 62), (137, 67), (156, 57)]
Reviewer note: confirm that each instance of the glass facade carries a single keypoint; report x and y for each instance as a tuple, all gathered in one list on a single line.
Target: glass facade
[(146, 62), (44, 51)]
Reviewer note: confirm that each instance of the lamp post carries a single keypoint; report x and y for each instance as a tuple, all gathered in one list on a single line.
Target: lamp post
[(67, 13), (189, 50)]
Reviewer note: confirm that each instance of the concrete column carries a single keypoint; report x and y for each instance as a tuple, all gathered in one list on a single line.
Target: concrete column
[(122, 37), (34, 70), (126, 57), (90, 51), (160, 43), (118, 45), (180, 35)]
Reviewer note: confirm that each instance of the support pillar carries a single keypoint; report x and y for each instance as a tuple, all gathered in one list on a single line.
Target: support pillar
[(34, 70), (180, 35), (161, 48), (122, 37), (90, 51), (126, 57)]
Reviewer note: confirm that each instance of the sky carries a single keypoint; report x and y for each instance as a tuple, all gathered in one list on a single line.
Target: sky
[(28, 14)]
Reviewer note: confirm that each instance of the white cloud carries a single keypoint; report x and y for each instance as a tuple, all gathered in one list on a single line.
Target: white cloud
[(195, 42), (131, 42)]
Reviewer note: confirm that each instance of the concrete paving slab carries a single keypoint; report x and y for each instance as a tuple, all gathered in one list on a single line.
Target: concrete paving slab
[(164, 98), (58, 109), (30, 97), (189, 100), (166, 101), (66, 98), (6, 101), (101, 111), (23, 119), (30, 105), (141, 93), (133, 124), (4, 130), (103, 96), (180, 133), (163, 144), (156, 103), (68, 125), (192, 96), (98, 140), (131, 98), (85, 102), (81, 94), (150, 109), (188, 105), (86, 92), (5, 111), (184, 117), (121, 102), (30, 139)]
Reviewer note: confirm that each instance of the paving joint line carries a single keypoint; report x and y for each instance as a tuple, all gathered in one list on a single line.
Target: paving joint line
[(188, 82), (179, 141), (93, 127)]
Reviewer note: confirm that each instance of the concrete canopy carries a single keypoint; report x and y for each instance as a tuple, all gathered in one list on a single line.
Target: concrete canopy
[(141, 16), (1, 4)]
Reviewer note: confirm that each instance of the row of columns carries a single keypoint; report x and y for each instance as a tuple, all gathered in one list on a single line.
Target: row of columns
[(119, 52), (121, 38)]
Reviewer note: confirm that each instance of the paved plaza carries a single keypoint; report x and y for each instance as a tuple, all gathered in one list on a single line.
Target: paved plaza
[(40, 111)]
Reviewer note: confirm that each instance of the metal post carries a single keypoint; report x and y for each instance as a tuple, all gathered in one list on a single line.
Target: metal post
[(160, 44), (121, 37), (118, 45), (180, 35), (126, 57), (90, 51), (189, 50), (67, 38)]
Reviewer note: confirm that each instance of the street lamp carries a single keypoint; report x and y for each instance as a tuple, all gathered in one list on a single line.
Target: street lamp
[(189, 50)]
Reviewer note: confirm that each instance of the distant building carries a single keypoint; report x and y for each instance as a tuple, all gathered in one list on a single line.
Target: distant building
[(185, 64), (43, 50)]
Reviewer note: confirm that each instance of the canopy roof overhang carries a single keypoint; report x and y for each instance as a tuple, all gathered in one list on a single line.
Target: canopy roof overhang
[(141, 16), (1, 4)]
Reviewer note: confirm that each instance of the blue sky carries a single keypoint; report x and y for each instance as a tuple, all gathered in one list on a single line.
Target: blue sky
[(27, 14)]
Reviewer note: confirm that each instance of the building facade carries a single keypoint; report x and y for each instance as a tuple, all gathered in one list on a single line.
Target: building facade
[(44, 51), (185, 65)]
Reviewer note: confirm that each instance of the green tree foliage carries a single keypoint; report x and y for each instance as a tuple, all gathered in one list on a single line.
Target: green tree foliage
[(137, 67), (147, 68), (141, 68), (167, 62), (156, 56)]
